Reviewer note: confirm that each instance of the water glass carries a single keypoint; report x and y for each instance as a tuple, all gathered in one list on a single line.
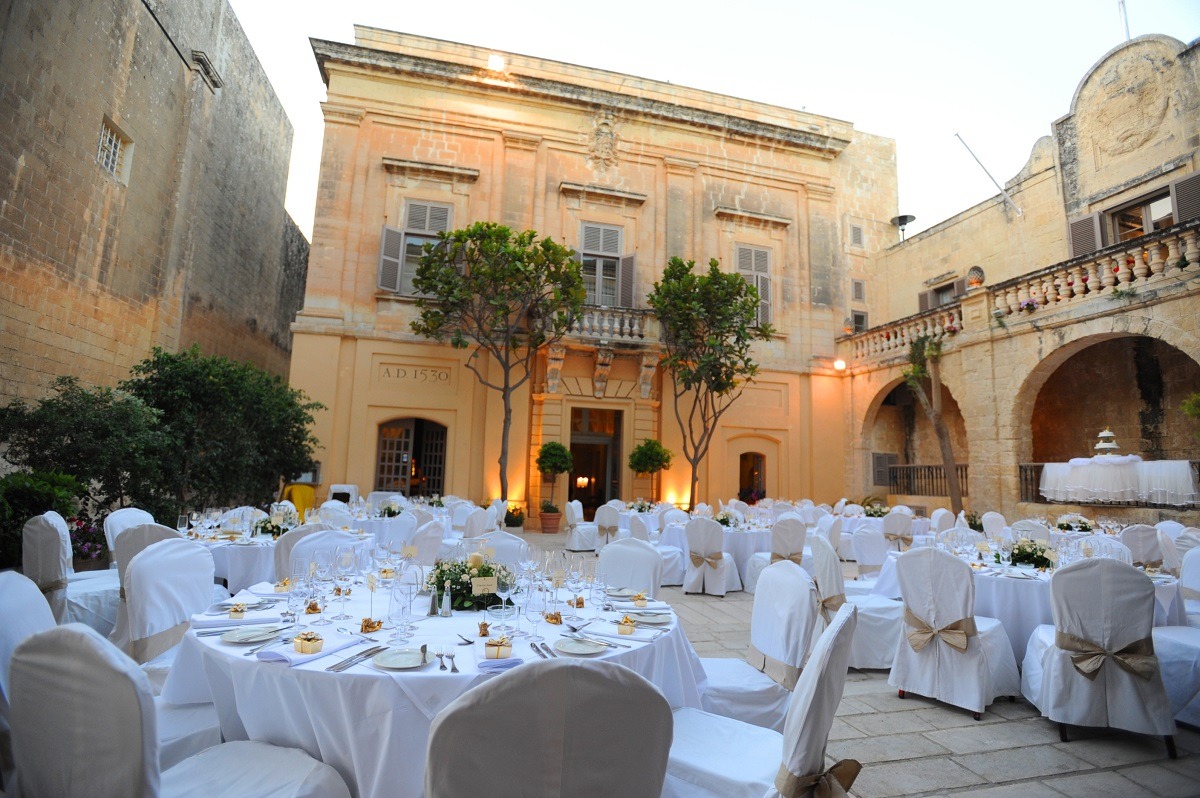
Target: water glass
[(181, 524), (535, 609), (399, 608)]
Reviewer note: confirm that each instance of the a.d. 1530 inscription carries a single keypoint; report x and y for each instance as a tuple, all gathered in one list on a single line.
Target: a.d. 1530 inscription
[(424, 375)]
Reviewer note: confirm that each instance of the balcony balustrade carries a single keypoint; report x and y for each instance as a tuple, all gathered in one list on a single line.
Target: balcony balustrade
[(891, 339), (604, 325), (923, 480)]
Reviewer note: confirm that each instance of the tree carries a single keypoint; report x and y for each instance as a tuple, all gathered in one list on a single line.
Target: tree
[(924, 355), (504, 292), (233, 430), (554, 459), (649, 457), (709, 325), (109, 440)]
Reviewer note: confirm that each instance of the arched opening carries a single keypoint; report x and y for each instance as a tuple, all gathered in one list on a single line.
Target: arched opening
[(411, 457), (752, 476), (900, 435)]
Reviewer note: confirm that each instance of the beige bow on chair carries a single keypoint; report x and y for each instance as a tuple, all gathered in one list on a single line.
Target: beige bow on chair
[(58, 584), (606, 532), (714, 559), (796, 557), (830, 605), (955, 634), (904, 537), (1137, 657), (833, 783)]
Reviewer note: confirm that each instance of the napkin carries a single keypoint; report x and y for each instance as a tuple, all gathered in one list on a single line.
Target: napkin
[(498, 665), (639, 635), (264, 590), (287, 653), (627, 606), (265, 616)]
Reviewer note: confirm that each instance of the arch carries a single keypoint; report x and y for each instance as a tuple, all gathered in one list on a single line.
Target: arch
[(410, 456), (769, 447), (752, 476), (1174, 45)]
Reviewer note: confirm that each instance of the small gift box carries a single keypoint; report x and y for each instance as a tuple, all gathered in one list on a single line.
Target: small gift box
[(308, 642), (370, 625), (553, 617), (639, 600), (499, 648), (313, 608), (237, 611), (283, 585), (387, 573), (625, 626)]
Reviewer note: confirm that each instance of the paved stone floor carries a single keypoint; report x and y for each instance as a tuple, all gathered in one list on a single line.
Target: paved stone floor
[(919, 747)]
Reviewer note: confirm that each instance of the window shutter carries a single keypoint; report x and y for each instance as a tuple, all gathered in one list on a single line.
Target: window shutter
[(879, 465), (418, 216), (1185, 197), (745, 259), (625, 278), (1085, 235), (591, 238), (923, 301), (390, 252), (859, 290), (764, 298), (610, 241), (424, 218), (856, 235), (960, 286)]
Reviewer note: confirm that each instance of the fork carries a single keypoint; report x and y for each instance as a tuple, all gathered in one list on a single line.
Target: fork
[(450, 656), (441, 662), (268, 644), (575, 628)]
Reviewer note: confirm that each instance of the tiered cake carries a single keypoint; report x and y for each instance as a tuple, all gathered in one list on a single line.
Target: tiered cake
[(1108, 443)]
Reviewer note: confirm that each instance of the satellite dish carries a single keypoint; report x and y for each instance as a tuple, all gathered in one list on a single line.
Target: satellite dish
[(902, 221)]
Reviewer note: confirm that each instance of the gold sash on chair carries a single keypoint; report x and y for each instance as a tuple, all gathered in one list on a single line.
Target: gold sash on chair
[(905, 537), (1087, 657), (147, 648), (830, 605), (796, 557), (713, 560), (780, 672), (606, 532), (833, 783), (50, 587), (955, 634), (1187, 594)]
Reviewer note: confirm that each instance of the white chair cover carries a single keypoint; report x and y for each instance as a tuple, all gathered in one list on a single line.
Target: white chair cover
[(757, 690), (422, 515), (740, 507), (676, 516), (616, 504), (672, 556), (838, 508), (490, 514), (507, 546), (399, 531), (779, 508), (902, 508), (428, 540), (880, 620), (939, 589), (46, 560), (852, 510), (1189, 585), (136, 539), (286, 542), (1171, 561), (709, 569), (870, 550), (168, 582), (1188, 539), (897, 531), (377, 499), (325, 539), (701, 509), (1172, 528), (634, 564), (1108, 605), (581, 535), (1028, 528), (240, 516), (1178, 652), (351, 492), (608, 522), (723, 758), (336, 517), (787, 543), (335, 504), (940, 520), (118, 521), (620, 749), (476, 523), (72, 689), (23, 613), (1142, 542), (1106, 546), (458, 515), (993, 524)]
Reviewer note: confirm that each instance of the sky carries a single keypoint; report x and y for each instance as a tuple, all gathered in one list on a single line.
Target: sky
[(996, 73)]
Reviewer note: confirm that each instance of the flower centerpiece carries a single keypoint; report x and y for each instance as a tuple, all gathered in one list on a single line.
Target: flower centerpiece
[(640, 506), (1074, 522), (1032, 552), (974, 522), (267, 526), (459, 573), (723, 518), (390, 510), (876, 511)]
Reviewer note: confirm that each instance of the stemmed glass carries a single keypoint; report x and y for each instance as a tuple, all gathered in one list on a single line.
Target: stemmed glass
[(528, 557), (520, 597), (535, 609), (505, 582), (574, 585), (344, 563), (297, 600), (324, 574), (181, 525), (1005, 545), (399, 608)]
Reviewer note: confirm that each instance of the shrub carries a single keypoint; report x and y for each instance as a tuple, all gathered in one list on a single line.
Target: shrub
[(23, 495)]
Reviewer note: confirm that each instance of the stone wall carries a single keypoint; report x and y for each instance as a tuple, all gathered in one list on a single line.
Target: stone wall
[(189, 242)]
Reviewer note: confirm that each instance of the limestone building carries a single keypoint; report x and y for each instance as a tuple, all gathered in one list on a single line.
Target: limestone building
[(143, 164)]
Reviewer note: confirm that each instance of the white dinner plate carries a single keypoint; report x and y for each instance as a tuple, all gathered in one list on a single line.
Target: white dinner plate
[(401, 659), (620, 592), (650, 619), (250, 634), (244, 542), (568, 645)]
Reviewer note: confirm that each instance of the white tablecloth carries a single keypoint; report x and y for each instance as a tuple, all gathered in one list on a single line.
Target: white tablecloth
[(372, 726), (243, 565), (1120, 478), (1022, 604), (740, 543)]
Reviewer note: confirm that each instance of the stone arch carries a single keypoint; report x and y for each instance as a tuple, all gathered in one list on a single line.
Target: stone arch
[(771, 447)]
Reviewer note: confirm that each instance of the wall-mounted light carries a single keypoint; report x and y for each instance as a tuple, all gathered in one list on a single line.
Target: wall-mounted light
[(839, 365), (581, 482), (496, 62)]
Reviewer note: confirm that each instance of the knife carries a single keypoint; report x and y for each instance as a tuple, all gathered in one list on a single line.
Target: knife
[(537, 651), (549, 650), (354, 660)]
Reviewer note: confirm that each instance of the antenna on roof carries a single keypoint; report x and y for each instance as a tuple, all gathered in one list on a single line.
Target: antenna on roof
[(1124, 18), (1007, 198)]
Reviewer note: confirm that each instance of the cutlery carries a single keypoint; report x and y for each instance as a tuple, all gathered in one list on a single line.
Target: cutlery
[(354, 660), (575, 628), (466, 641), (441, 662), (267, 644), (614, 637), (453, 667), (591, 640), (538, 651), (549, 651)]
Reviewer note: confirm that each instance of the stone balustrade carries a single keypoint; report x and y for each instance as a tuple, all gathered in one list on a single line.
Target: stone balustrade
[(939, 324), (609, 325)]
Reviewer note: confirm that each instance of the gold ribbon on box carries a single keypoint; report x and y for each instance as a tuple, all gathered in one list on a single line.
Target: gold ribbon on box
[(499, 642), (833, 783), (714, 559), (796, 557), (780, 672), (606, 532), (955, 634), (1087, 657), (830, 605), (905, 537)]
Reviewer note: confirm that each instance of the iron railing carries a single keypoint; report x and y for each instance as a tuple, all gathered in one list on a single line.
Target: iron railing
[(923, 480)]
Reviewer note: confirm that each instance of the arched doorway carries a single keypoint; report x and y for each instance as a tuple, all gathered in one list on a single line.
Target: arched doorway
[(411, 457), (752, 476), (898, 433)]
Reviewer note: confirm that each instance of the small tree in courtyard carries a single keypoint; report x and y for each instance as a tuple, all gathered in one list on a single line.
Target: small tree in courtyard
[(923, 357), (708, 326), (649, 457), (506, 294)]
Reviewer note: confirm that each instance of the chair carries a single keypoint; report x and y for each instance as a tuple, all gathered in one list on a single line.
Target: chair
[(1106, 546), (136, 539), (739, 507), (1189, 586), (168, 582), (675, 516), (490, 517), (1171, 561), (581, 536), (633, 564), (948, 652), (852, 510), (621, 748), (378, 499), (781, 507), (240, 516), (897, 530), (616, 504), (476, 523), (335, 504), (336, 517), (757, 689), (787, 543), (1142, 542), (838, 508), (880, 620), (300, 494), (458, 515), (1188, 539), (507, 547), (940, 520), (702, 509), (870, 551), (672, 556), (902, 508), (1178, 652), (427, 541), (286, 542), (398, 532), (118, 521), (1028, 528), (322, 540), (607, 526), (64, 534), (423, 516), (716, 756), (46, 560), (1172, 528), (709, 568), (344, 492), (72, 689), (1095, 666), (993, 524)]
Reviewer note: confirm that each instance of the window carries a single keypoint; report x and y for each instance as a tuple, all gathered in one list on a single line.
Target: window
[(858, 290), (859, 320), (114, 151), (856, 235), (880, 465), (941, 295), (1144, 217), (1178, 202), (401, 250), (754, 264), (607, 274)]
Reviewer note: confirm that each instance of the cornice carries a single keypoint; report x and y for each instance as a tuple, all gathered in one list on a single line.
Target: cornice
[(437, 171)]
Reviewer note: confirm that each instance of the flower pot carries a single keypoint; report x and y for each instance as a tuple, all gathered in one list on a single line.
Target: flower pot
[(98, 564), (550, 522), (515, 530)]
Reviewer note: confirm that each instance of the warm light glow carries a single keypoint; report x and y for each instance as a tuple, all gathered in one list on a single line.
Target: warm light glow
[(839, 365), (581, 482), (496, 62)]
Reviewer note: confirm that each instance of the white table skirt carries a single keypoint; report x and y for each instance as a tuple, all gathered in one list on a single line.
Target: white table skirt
[(649, 519), (372, 726), (1021, 605), (740, 543), (1120, 479), (243, 565)]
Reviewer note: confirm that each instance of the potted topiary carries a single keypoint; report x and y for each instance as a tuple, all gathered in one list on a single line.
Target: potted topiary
[(553, 459), (647, 459), (514, 519)]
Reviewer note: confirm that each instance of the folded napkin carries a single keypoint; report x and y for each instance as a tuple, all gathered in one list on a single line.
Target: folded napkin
[(498, 665), (264, 590), (640, 635), (287, 653), (218, 618), (627, 606)]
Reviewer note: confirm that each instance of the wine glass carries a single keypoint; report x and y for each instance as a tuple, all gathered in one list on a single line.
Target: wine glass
[(574, 584), (520, 597), (535, 609), (504, 588), (297, 600), (528, 556), (181, 524), (1006, 547), (344, 564), (399, 608), (324, 575)]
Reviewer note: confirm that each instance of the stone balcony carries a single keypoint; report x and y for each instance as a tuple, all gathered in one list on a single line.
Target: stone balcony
[(622, 327)]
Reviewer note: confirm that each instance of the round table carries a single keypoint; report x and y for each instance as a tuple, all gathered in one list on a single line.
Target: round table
[(740, 542), (372, 726), (242, 564)]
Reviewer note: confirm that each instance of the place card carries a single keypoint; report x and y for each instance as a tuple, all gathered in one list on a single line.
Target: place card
[(408, 551), (483, 584)]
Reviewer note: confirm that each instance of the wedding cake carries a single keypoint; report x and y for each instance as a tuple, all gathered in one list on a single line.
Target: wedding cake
[(1108, 443)]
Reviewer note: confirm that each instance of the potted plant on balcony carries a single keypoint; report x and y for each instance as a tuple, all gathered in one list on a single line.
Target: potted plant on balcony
[(553, 459), (647, 459)]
